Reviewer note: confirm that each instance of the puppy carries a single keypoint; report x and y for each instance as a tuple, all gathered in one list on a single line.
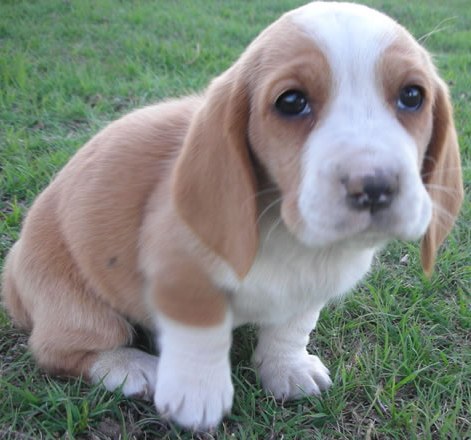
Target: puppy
[(257, 201)]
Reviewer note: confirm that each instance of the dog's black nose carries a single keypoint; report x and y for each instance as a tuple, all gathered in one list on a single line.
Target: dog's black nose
[(371, 191)]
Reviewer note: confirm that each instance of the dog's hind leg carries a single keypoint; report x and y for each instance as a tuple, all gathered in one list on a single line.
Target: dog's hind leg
[(86, 337), (74, 331), (79, 334)]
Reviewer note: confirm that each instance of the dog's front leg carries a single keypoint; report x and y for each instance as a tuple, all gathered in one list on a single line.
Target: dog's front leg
[(194, 324), (194, 386), (285, 367)]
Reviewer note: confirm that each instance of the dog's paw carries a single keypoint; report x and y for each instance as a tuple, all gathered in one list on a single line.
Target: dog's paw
[(194, 396), (293, 378), (131, 369)]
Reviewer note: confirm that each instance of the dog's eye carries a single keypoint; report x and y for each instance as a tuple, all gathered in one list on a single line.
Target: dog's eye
[(293, 103), (410, 98)]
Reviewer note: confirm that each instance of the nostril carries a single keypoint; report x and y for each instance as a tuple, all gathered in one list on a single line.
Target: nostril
[(371, 191)]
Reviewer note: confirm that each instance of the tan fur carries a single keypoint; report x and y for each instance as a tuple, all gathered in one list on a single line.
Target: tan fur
[(11, 298), (406, 63), (278, 141), (140, 218), (442, 176), (213, 182), (183, 292)]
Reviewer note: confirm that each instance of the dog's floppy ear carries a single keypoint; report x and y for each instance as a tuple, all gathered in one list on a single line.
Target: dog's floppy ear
[(441, 174), (213, 182)]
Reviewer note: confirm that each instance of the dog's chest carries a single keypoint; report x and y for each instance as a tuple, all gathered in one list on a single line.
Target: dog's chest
[(288, 279)]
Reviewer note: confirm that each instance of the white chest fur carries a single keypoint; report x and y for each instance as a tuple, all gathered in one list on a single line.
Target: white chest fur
[(288, 278)]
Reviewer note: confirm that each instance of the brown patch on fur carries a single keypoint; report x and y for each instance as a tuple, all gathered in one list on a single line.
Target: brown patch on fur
[(441, 173), (213, 182), (11, 298), (296, 63), (177, 266), (406, 63), (184, 292)]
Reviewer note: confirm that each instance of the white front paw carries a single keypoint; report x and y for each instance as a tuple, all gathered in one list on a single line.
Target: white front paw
[(293, 377), (194, 386), (195, 396)]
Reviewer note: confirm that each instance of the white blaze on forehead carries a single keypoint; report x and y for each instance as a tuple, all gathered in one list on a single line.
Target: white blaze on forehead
[(351, 36)]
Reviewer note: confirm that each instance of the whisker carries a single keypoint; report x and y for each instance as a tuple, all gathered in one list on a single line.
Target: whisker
[(261, 193), (438, 28), (445, 189), (428, 158), (267, 208), (441, 210), (266, 191), (444, 218), (275, 224), (447, 170)]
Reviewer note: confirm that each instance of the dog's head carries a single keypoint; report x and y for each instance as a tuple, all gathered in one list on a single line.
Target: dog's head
[(346, 114)]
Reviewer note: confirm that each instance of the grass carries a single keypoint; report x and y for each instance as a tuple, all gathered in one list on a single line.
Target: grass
[(399, 349)]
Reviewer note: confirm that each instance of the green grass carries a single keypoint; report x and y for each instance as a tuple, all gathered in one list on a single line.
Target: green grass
[(399, 349)]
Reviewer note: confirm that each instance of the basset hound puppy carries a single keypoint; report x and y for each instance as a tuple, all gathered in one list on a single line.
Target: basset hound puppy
[(257, 201)]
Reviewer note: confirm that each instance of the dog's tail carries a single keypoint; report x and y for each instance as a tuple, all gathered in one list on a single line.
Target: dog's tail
[(11, 299)]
